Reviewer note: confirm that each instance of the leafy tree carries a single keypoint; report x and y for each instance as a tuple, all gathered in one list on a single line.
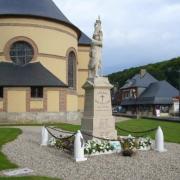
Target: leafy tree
[(166, 70)]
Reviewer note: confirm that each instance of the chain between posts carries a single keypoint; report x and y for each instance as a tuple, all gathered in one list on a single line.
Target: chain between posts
[(104, 139), (65, 138), (137, 132)]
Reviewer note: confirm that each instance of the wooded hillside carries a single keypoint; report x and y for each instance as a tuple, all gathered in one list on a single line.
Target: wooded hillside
[(166, 70)]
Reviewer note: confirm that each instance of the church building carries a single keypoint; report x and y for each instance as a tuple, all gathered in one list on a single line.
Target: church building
[(43, 63)]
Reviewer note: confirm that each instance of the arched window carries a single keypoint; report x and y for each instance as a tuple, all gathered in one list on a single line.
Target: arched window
[(72, 70), (21, 52)]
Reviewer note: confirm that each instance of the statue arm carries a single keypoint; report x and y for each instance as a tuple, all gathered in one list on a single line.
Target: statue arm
[(97, 43)]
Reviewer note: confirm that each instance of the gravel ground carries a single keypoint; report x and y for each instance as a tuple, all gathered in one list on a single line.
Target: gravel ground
[(45, 161)]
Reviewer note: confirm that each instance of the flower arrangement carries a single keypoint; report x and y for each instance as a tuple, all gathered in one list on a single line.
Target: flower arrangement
[(52, 141), (144, 143), (131, 144), (97, 146), (128, 146), (63, 144)]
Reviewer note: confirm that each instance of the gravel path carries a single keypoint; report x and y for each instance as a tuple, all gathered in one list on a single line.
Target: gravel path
[(45, 161)]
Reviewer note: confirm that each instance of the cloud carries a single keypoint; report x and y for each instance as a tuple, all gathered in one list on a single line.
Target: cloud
[(136, 32)]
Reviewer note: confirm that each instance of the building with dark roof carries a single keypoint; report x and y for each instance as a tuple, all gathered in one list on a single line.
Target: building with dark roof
[(145, 95), (43, 62)]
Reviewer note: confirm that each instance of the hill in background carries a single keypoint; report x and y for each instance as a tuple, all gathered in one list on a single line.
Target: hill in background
[(166, 70)]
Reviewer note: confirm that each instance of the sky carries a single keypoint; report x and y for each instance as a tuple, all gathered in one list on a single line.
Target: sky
[(136, 32)]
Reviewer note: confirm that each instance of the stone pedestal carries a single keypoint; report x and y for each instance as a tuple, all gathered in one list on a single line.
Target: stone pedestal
[(98, 120)]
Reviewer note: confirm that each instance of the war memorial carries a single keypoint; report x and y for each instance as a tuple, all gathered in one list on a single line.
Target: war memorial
[(69, 87)]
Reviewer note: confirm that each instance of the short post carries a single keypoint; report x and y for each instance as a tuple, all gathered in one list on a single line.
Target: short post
[(159, 141), (79, 148), (44, 140)]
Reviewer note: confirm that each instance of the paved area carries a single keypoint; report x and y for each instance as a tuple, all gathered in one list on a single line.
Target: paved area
[(46, 161)]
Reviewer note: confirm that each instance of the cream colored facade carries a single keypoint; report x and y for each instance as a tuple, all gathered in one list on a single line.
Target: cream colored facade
[(52, 42)]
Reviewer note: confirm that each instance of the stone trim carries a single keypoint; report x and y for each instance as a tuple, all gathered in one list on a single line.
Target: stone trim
[(28, 96), (1, 100), (52, 56), (64, 58), (83, 70), (39, 26), (45, 99), (72, 92), (81, 96), (37, 110), (62, 100), (5, 100), (36, 99), (20, 38), (84, 50)]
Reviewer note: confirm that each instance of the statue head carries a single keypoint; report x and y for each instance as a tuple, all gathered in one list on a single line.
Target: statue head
[(98, 35)]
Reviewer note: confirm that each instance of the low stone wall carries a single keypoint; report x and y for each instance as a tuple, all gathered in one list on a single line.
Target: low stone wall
[(40, 117)]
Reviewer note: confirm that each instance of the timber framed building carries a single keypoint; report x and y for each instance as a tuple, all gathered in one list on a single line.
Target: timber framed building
[(146, 96)]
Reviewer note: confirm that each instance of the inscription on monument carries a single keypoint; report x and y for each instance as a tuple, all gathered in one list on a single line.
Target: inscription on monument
[(102, 100)]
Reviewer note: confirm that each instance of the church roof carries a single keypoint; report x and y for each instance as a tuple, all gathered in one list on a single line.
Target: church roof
[(84, 40), (32, 74), (45, 9)]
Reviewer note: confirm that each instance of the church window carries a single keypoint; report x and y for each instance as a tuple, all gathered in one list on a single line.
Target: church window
[(72, 70), (36, 92), (21, 52)]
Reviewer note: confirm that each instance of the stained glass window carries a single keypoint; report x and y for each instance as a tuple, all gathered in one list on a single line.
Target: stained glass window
[(72, 70), (21, 52)]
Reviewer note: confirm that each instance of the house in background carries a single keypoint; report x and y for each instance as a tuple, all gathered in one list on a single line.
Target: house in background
[(176, 106), (146, 96), (43, 63)]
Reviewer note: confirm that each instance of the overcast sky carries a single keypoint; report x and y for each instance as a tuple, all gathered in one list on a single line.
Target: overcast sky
[(136, 32)]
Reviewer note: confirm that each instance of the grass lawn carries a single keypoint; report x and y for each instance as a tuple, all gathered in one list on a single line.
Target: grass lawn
[(171, 129), (69, 127), (7, 135)]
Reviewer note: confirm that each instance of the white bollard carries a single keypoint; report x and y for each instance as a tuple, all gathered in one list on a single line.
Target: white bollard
[(159, 141), (79, 148), (44, 140)]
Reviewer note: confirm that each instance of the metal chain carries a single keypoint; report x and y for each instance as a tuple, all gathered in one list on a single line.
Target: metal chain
[(65, 138), (137, 132)]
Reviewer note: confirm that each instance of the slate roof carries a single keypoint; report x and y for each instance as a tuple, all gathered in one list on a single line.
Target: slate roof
[(84, 40), (160, 92), (37, 8), (32, 74), (45, 9), (138, 81)]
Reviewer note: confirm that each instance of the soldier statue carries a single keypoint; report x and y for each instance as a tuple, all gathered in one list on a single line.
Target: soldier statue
[(95, 63)]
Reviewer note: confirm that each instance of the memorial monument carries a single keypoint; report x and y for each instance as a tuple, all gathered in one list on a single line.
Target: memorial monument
[(97, 120)]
